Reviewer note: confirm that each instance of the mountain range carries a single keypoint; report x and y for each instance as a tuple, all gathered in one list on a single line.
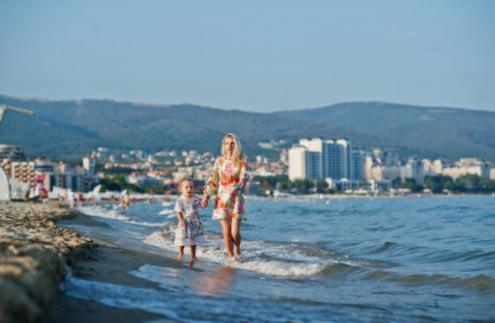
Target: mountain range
[(72, 128)]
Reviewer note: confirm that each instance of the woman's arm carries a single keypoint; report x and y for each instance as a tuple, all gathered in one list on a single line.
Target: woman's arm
[(243, 175)]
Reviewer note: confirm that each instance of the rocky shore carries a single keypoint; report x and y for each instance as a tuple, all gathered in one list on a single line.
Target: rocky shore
[(34, 253)]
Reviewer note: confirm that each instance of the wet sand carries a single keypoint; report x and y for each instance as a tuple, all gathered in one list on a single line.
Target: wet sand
[(36, 254), (110, 264)]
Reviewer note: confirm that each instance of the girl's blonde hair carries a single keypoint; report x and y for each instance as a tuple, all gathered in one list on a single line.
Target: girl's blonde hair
[(182, 181), (237, 154)]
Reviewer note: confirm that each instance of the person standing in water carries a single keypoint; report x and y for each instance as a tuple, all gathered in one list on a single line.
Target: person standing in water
[(226, 184), (189, 229)]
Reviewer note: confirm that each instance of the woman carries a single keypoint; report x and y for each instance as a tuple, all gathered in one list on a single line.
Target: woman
[(227, 182)]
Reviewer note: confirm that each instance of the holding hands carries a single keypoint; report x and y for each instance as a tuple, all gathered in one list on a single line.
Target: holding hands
[(204, 201)]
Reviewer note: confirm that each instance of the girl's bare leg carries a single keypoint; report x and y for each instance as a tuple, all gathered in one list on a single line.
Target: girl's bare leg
[(193, 255), (181, 253), (227, 237), (236, 236)]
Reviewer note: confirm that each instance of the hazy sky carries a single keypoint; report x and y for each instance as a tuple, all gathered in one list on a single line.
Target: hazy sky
[(251, 55)]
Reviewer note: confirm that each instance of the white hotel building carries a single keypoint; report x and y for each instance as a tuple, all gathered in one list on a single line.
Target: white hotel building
[(316, 158)]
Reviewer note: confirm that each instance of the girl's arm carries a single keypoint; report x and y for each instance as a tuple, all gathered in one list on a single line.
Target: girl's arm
[(181, 219), (178, 209)]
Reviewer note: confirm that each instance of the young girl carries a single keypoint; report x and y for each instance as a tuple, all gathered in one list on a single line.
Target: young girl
[(190, 230)]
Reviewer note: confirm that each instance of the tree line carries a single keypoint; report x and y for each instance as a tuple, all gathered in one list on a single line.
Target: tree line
[(469, 183)]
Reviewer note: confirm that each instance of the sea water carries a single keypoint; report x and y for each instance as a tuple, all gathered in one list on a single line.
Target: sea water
[(365, 259)]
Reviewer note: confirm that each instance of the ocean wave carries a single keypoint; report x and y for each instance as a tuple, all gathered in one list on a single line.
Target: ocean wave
[(275, 259), (103, 212), (480, 283), (114, 214)]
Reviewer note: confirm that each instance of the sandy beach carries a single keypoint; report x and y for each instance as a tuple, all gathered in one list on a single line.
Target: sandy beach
[(108, 263), (36, 255)]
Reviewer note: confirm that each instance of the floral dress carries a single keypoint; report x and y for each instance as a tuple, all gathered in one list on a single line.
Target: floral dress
[(225, 184), (193, 232)]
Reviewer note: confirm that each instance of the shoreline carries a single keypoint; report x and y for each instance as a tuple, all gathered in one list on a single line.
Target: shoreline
[(108, 263), (34, 253), (37, 254)]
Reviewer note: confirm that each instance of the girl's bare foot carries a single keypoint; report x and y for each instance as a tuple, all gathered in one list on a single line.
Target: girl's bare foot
[(238, 258), (180, 257), (191, 262)]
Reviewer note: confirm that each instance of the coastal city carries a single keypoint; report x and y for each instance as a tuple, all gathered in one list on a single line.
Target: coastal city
[(311, 166), (247, 161)]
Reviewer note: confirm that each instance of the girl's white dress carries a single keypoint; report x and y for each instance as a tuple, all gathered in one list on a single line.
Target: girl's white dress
[(193, 233)]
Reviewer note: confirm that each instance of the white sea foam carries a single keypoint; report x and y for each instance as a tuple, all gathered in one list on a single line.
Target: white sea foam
[(282, 260), (258, 256), (114, 214), (103, 212), (167, 212)]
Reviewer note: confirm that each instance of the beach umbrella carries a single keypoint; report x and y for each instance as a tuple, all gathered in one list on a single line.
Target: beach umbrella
[(4, 108)]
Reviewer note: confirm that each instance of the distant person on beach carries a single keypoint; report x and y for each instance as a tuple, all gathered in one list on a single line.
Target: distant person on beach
[(190, 229), (226, 183), (71, 199), (79, 199), (125, 200)]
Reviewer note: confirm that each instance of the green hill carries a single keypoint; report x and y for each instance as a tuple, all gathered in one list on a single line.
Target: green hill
[(433, 132), (69, 129)]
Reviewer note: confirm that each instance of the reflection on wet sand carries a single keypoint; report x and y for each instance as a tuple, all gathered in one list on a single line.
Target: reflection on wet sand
[(215, 283)]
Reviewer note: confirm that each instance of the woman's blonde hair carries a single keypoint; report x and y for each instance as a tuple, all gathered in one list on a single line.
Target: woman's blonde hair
[(237, 154)]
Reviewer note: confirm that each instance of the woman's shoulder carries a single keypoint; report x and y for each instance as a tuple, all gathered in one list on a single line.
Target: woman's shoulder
[(219, 160)]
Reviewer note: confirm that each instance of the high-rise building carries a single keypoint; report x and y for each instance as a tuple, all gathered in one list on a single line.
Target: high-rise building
[(313, 165), (297, 162), (317, 159), (358, 165), (344, 159)]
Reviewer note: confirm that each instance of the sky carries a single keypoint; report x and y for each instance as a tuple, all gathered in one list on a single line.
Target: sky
[(257, 55)]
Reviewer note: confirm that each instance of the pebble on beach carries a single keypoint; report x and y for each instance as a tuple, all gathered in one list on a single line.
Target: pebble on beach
[(33, 255)]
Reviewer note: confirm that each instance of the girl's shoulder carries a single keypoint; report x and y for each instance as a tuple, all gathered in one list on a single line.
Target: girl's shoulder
[(179, 204)]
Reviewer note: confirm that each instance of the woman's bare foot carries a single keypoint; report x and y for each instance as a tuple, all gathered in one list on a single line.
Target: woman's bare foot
[(238, 258), (191, 262), (180, 257), (229, 261)]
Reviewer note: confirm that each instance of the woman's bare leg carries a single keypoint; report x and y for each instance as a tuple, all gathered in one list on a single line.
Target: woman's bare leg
[(236, 236), (227, 236)]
